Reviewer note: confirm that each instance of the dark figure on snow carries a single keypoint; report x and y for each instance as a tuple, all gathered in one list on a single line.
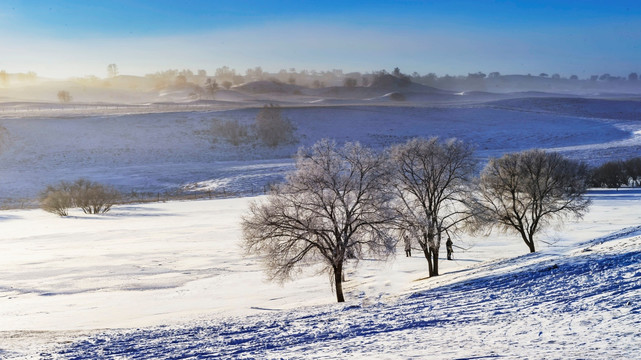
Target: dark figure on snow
[(408, 246), (448, 246)]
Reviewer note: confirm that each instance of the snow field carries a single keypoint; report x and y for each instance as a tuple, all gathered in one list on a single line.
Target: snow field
[(167, 280), (169, 152), (175, 272)]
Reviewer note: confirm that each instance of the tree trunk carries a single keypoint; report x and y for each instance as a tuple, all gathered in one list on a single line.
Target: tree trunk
[(431, 255), (435, 262), (435, 249), (338, 283), (529, 241), (530, 244), (428, 257)]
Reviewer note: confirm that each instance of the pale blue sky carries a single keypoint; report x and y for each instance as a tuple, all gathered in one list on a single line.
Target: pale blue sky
[(76, 38)]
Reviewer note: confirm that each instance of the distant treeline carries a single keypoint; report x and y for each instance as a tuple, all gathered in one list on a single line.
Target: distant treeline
[(225, 77), (615, 174), (479, 81)]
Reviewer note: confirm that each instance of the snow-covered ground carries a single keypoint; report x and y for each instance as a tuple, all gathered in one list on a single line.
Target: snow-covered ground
[(173, 277), (169, 279), (173, 151)]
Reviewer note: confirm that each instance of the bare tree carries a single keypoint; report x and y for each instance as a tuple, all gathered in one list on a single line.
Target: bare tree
[(64, 96), (211, 86), (632, 169), (525, 191), (432, 185), (349, 82), (272, 128), (335, 206), (112, 70), (612, 174)]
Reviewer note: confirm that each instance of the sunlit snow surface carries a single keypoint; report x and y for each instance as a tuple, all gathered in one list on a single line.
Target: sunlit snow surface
[(174, 278), (170, 280)]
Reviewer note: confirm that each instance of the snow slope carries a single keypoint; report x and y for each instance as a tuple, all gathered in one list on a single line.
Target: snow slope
[(173, 277), (169, 280), (571, 306), (169, 152)]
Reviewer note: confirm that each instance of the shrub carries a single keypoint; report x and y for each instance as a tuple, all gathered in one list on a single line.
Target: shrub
[(272, 128), (57, 199), (231, 131), (91, 197)]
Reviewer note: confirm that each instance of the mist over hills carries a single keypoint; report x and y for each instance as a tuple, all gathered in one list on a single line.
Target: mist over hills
[(226, 84)]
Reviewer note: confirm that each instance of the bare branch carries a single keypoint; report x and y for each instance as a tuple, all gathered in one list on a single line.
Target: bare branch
[(335, 206)]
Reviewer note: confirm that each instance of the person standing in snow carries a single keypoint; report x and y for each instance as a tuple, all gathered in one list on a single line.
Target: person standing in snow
[(408, 246), (448, 246)]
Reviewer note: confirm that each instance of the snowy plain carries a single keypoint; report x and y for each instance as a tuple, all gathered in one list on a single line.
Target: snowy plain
[(169, 279)]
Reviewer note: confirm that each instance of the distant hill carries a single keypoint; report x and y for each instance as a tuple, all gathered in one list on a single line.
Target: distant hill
[(265, 86)]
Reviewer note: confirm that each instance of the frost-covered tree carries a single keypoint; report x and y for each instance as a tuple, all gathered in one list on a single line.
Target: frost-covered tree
[(432, 186), (334, 207), (525, 191)]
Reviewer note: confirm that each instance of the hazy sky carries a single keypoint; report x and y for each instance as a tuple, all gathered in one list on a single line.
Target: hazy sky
[(77, 38)]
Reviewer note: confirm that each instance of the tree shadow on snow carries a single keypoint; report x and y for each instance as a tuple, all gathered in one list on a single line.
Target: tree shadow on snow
[(566, 284)]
